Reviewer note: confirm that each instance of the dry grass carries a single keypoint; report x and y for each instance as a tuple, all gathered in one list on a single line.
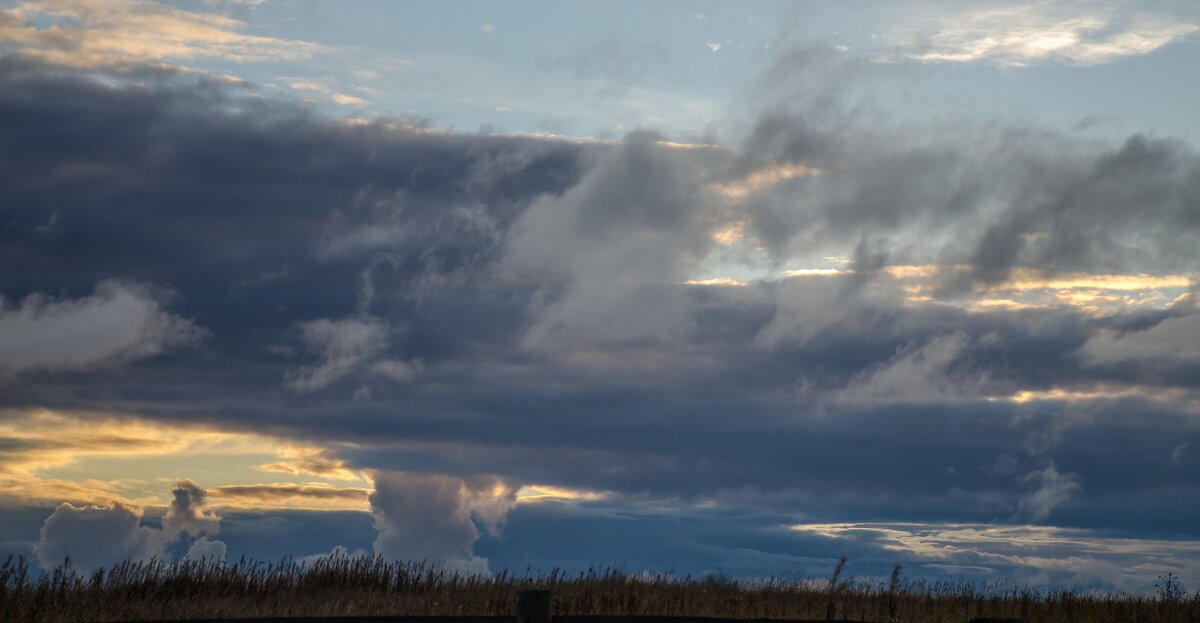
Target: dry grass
[(345, 586)]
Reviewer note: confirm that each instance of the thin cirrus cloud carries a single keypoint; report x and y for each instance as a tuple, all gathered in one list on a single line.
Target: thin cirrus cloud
[(44, 452), (117, 33), (315, 86), (975, 549), (1017, 35), (312, 496)]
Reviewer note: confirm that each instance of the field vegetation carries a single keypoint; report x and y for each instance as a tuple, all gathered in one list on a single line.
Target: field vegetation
[(355, 586)]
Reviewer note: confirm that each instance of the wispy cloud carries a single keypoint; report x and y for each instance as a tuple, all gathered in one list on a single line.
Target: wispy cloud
[(38, 447), (310, 496), (114, 33), (347, 346), (314, 86), (1053, 552), (1014, 36)]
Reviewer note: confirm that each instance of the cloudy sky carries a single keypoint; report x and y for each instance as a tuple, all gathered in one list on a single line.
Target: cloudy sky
[(692, 286)]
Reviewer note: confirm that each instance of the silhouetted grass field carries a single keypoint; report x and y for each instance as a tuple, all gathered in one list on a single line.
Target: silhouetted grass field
[(349, 586)]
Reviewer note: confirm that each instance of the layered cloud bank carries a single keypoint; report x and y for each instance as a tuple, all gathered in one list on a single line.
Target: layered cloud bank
[(828, 321)]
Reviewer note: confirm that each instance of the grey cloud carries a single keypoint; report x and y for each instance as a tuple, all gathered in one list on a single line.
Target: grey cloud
[(606, 253), (1053, 489), (346, 346), (540, 284), (806, 310), (118, 322), (1174, 340), (377, 223), (921, 373), (986, 193)]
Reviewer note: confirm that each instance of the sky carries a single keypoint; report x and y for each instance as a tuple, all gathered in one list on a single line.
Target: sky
[(695, 287)]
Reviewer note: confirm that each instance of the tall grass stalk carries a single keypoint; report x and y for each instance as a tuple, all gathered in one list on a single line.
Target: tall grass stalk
[(345, 585)]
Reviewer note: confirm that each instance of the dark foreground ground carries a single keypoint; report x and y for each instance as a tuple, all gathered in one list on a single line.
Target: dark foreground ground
[(369, 587)]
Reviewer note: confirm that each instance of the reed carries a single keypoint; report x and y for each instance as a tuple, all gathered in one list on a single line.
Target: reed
[(347, 585)]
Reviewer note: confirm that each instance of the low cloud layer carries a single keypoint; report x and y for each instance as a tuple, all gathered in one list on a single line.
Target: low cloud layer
[(92, 537)]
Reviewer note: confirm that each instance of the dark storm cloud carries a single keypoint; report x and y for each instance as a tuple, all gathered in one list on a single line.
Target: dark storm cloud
[(225, 189), (453, 308)]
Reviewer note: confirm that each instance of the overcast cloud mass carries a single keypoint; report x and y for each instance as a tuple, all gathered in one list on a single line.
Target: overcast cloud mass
[(235, 320)]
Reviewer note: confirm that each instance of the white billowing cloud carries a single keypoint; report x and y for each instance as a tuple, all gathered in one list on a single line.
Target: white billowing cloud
[(1175, 340), (100, 536), (95, 536), (1054, 489), (433, 517), (206, 549), (106, 33), (117, 323), (350, 345), (186, 515), (1018, 35)]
